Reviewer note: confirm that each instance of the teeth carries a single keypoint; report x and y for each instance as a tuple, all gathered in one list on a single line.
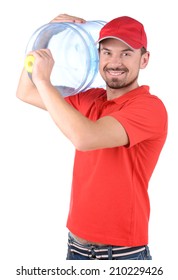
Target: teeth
[(116, 73)]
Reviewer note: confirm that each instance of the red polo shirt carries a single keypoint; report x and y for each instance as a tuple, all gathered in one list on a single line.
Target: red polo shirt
[(109, 199)]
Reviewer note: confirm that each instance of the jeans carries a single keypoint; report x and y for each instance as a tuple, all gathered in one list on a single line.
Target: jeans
[(78, 251)]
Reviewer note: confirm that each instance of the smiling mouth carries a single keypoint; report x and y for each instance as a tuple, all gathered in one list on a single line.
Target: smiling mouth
[(115, 72)]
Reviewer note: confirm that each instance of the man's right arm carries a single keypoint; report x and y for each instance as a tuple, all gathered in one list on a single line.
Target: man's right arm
[(27, 91)]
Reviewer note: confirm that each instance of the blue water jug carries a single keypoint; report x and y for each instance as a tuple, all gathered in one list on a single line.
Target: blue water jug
[(74, 49)]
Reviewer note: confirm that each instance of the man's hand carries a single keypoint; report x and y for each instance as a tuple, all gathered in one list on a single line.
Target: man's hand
[(42, 66), (68, 18)]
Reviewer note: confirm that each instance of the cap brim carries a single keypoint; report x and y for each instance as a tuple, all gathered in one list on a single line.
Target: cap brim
[(113, 37)]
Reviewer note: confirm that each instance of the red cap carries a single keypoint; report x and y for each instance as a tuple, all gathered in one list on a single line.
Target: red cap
[(126, 29)]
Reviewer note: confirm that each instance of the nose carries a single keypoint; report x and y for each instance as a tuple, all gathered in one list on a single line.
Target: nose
[(116, 60)]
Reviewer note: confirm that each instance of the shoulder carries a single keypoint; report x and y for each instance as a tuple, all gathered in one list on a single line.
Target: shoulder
[(92, 93), (142, 99), (142, 110), (88, 96)]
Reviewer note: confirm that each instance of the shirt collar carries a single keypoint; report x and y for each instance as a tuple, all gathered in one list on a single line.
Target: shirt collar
[(133, 93)]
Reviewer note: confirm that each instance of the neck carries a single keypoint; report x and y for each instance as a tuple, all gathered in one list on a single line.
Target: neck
[(114, 93)]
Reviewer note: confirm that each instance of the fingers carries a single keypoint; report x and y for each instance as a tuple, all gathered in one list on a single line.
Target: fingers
[(68, 18), (42, 59), (41, 66), (43, 53)]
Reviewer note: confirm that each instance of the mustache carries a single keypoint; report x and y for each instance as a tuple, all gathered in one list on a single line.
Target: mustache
[(124, 69)]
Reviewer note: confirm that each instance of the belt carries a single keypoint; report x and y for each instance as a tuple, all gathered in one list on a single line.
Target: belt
[(102, 252)]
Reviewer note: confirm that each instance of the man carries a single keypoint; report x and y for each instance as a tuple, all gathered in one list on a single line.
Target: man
[(118, 134)]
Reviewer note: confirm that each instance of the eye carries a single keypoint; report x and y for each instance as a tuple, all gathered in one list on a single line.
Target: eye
[(106, 52), (126, 54)]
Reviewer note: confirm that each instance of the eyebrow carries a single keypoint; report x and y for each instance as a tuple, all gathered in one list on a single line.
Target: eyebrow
[(104, 49), (125, 50), (128, 50)]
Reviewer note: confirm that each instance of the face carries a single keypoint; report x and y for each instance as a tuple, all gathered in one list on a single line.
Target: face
[(120, 65)]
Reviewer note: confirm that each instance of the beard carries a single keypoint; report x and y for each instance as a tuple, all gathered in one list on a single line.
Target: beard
[(115, 83), (118, 83)]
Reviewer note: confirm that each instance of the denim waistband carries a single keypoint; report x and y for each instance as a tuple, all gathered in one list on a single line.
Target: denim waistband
[(103, 252)]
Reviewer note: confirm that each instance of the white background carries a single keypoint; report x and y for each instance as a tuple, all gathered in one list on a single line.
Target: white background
[(35, 158)]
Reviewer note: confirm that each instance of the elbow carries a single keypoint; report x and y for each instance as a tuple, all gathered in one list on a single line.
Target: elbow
[(19, 96), (85, 140), (83, 145), (82, 148)]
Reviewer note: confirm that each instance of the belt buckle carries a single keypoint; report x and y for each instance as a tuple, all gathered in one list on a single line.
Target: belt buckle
[(92, 253)]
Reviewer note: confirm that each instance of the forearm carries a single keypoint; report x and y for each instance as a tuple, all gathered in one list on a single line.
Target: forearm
[(76, 127), (27, 91)]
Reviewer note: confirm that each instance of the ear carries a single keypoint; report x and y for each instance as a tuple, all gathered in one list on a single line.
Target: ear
[(144, 60)]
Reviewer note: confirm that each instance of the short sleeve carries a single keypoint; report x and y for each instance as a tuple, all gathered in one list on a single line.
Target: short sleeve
[(144, 118)]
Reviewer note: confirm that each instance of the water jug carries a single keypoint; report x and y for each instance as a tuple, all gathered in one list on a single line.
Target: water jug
[(74, 49)]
